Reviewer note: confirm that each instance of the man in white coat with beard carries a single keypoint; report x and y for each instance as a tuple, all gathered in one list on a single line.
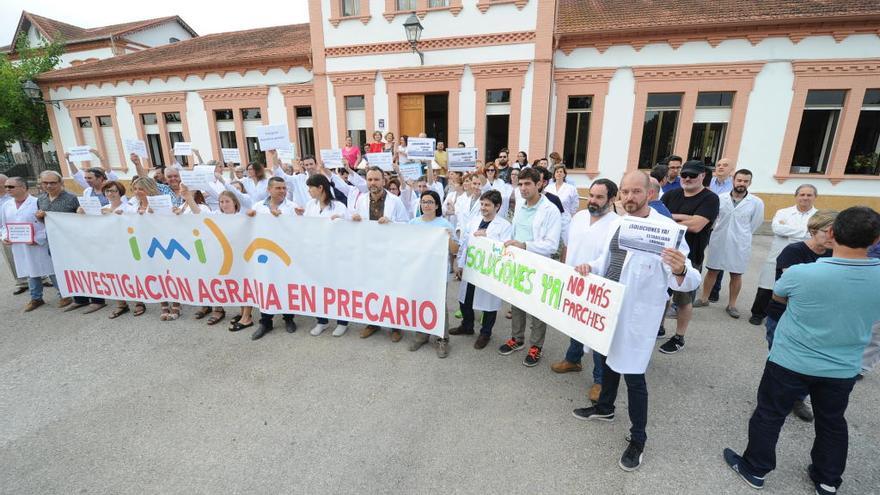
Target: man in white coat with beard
[(647, 277), (730, 247), (492, 225)]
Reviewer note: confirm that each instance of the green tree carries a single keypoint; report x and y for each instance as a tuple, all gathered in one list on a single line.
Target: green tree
[(22, 119)]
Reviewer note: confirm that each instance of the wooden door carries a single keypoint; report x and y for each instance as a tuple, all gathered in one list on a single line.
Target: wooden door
[(412, 114)]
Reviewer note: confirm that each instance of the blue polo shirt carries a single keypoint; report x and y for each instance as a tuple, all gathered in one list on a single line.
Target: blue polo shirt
[(832, 304)]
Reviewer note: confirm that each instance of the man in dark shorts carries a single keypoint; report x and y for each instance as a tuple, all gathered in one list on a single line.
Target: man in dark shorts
[(696, 207)]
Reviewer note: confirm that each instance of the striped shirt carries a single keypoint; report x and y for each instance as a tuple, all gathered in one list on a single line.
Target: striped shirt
[(616, 257)]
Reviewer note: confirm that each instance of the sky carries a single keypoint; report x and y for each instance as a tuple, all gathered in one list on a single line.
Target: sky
[(205, 17)]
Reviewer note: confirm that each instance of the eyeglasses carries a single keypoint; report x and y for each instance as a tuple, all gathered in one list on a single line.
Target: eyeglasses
[(428, 203), (10, 187), (490, 170), (689, 175), (46, 183)]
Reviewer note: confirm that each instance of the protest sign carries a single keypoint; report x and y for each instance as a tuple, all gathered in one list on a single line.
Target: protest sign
[(20, 233), (182, 148), (420, 148), (79, 153), (231, 155), (288, 153), (584, 308), (461, 159), (381, 160), (331, 158), (137, 147), (411, 170), (91, 205), (279, 265), (649, 236), (194, 180), (273, 137), (160, 204)]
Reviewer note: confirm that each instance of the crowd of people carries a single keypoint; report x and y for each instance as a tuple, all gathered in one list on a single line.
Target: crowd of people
[(820, 337)]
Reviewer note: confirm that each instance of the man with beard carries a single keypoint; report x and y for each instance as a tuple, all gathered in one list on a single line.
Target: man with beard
[(587, 236), (647, 277), (730, 247), (695, 207), (673, 168), (503, 167)]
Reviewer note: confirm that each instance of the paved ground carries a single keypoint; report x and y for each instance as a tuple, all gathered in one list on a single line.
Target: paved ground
[(90, 405)]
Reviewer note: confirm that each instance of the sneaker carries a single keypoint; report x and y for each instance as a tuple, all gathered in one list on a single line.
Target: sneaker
[(481, 341), (442, 348), (419, 339), (458, 314), (510, 347), (756, 320), (662, 332), (595, 390), (340, 330), (699, 303), (592, 414), (802, 411), (566, 367), (369, 330), (735, 462), (632, 457), (319, 329), (821, 488), (673, 345), (733, 312), (396, 335), (532, 357)]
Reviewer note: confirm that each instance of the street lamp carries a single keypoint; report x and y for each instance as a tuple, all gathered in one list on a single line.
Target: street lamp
[(413, 29), (32, 91)]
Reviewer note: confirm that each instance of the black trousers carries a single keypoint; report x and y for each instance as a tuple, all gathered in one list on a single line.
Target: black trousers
[(266, 319), (762, 299), (637, 398), (87, 300), (779, 389), (467, 313)]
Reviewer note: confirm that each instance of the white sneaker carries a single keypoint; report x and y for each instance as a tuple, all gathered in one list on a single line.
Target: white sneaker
[(340, 330), (319, 328)]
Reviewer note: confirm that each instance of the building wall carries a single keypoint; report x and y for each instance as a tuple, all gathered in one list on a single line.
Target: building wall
[(96, 53), (159, 35)]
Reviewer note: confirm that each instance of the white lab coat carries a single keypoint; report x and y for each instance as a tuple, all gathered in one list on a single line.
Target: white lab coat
[(646, 278), (505, 190), (500, 230), (730, 246), (546, 227), (287, 207), (313, 209), (394, 209), (450, 201), (568, 195), (464, 211), (258, 190), (585, 240), (789, 226), (30, 260)]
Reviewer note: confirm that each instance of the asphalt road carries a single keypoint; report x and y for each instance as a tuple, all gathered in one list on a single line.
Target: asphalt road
[(135, 405)]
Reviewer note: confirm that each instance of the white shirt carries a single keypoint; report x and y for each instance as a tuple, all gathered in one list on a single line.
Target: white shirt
[(587, 240), (288, 207), (314, 209), (789, 226), (258, 190)]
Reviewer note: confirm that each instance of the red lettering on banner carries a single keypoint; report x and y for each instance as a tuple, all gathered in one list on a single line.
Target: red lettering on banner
[(357, 304), (204, 294), (371, 296), (402, 310), (272, 300), (220, 295), (427, 306), (329, 299), (387, 313), (343, 303), (584, 315), (148, 281)]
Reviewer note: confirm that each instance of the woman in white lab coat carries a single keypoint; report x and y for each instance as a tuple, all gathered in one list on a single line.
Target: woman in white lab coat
[(257, 182), (467, 206), (566, 192), (492, 225)]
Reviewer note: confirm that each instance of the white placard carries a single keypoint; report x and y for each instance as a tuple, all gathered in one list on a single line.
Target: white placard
[(288, 153), (381, 160), (420, 148), (20, 233), (91, 205), (461, 159), (137, 147), (231, 155), (160, 204), (273, 137), (411, 170), (649, 236), (182, 148), (80, 153), (332, 158), (194, 180)]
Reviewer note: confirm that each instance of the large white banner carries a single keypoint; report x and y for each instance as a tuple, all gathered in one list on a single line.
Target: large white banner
[(584, 308), (387, 275)]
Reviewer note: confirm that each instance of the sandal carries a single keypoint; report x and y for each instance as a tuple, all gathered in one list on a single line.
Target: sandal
[(216, 317), (239, 326), (139, 309), (166, 313), (235, 319), (175, 313), (119, 311), (202, 312)]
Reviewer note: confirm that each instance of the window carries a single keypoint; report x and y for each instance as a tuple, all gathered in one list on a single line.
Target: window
[(406, 4), (154, 146), (715, 99), (709, 130), (173, 40), (812, 150), (227, 139), (350, 7), (172, 117), (577, 131), (438, 3), (251, 114), (303, 112), (497, 96), (84, 122), (148, 118), (105, 121), (864, 155), (305, 133), (253, 150), (353, 103), (176, 137), (220, 115), (658, 133)]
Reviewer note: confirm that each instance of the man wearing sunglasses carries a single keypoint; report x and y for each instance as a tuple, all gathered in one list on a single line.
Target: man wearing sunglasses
[(695, 207), (20, 282)]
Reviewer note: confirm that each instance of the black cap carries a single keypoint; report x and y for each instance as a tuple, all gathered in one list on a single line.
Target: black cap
[(694, 167)]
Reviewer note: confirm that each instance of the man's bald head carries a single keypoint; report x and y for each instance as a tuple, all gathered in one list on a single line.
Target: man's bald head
[(637, 176), (634, 191)]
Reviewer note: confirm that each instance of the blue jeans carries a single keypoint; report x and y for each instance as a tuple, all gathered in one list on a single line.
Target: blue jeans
[(35, 285), (575, 353), (779, 389), (324, 321)]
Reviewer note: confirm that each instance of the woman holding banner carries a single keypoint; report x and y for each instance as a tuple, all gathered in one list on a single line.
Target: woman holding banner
[(322, 205), (432, 216), (492, 226)]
